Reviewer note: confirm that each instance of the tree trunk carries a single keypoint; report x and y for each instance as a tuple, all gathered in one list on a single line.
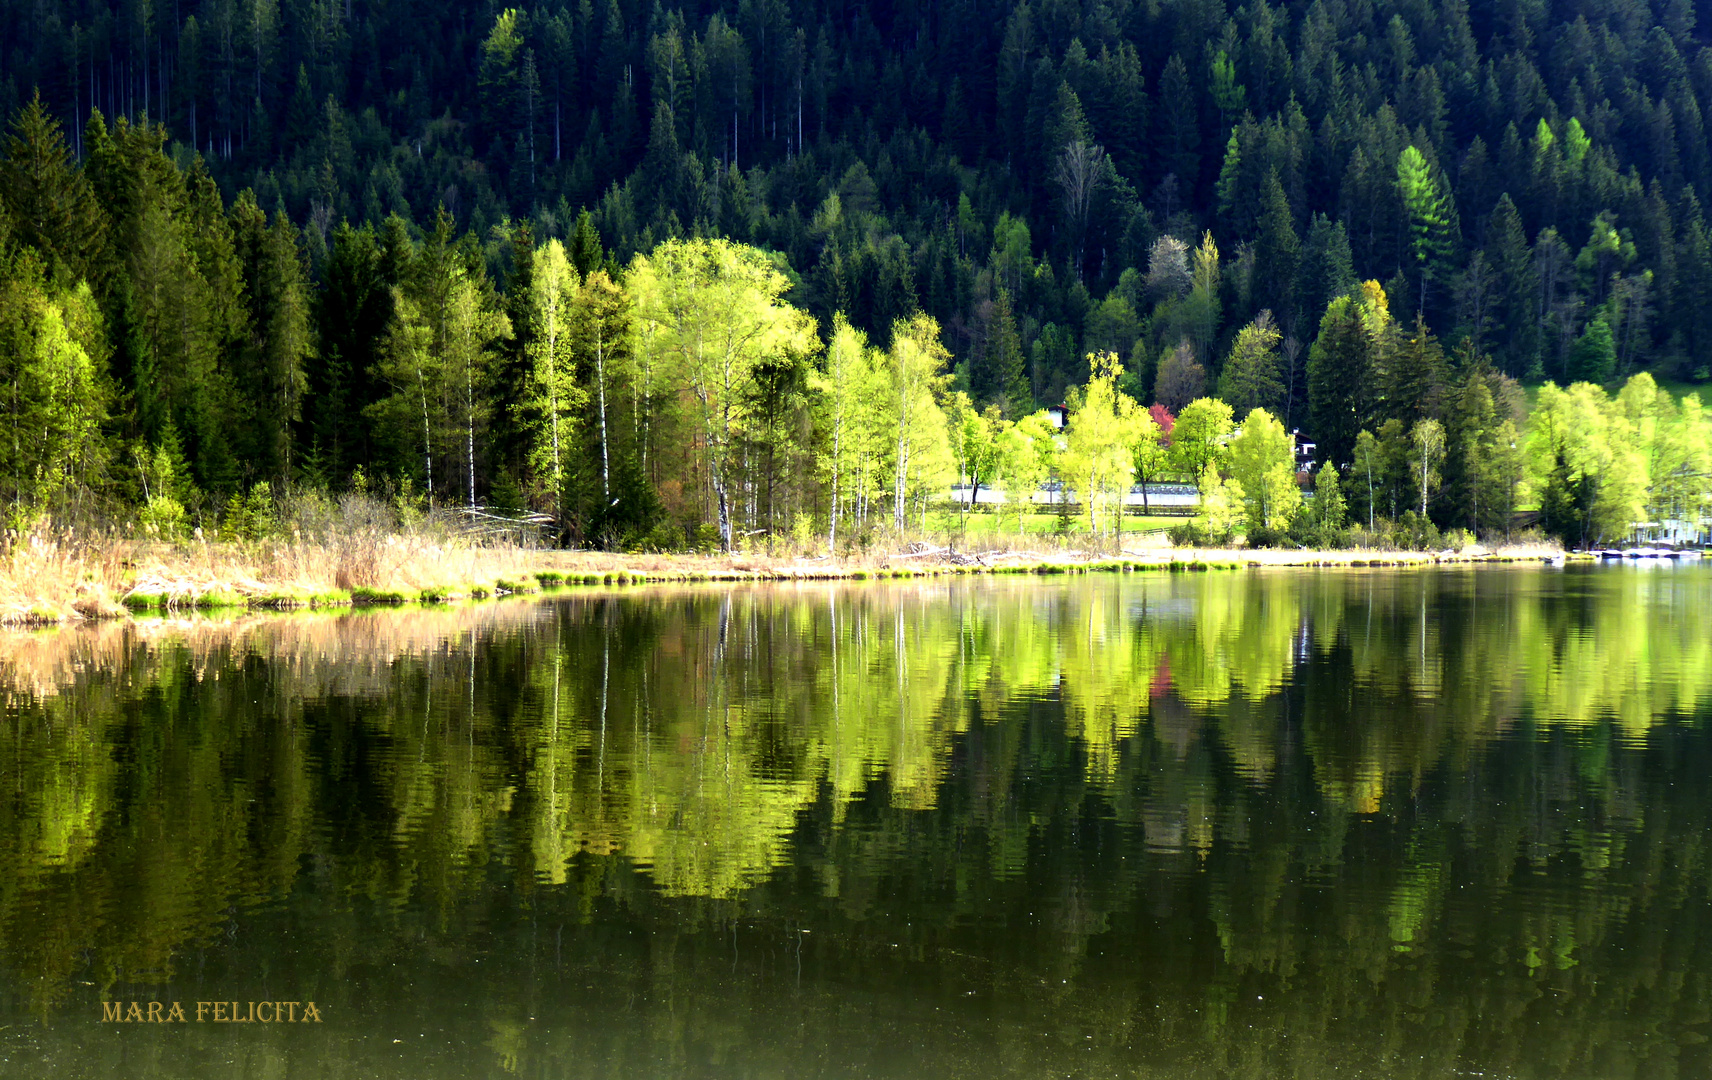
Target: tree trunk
[(427, 441), (600, 378)]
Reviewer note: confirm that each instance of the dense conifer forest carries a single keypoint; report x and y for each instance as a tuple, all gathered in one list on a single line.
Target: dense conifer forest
[(712, 272)]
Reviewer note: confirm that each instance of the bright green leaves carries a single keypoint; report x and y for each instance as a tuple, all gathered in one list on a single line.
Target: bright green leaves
[(1262, 460), (1591, 473), (1228, 93), (1097, 461), (1198, 439), (555, 400), (711, 312), (56, 397), (1252, 378), (1431, 216)]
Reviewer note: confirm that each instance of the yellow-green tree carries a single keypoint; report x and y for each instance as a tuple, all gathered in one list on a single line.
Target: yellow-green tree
[(1252, 376), (711, 311), (846, 391), (1199, 436), (1030, 457), (1263, 462), (1583, 455), (914, 363), (601, 328), (556, 400), (1097, 449), (55, 399)]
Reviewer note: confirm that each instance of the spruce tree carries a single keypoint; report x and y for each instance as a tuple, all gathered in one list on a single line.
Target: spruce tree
[(272, 375), (1518, 321), (1340, 369), (512, 364), (1416, 376), (1277, 253), (584, 246), (1431, 223), (48, 199), (1593, 358), (1000, 375), (1325, 269)]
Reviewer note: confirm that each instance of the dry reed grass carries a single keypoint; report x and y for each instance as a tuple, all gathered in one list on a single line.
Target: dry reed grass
[(326, 554)]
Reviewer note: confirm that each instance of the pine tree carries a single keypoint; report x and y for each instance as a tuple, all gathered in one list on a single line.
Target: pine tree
[(584, 249), (1431, 223), (1594, 357), (1518, 320), (1277, 254), (49, 200), (1000, 376), (280, 339), (1469, 420), (1179, 128), (354, 310), (1416, 376), (1692, 314), (1326, 268), (1341, 369), (514, 363)]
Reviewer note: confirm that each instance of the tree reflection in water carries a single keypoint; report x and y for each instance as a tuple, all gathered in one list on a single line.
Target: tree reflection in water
[(1265, 824)]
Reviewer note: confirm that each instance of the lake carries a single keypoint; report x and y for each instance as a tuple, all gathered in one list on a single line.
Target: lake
[(1388, 823)]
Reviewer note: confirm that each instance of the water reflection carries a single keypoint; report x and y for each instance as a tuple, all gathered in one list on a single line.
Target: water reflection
[(1268, 824)]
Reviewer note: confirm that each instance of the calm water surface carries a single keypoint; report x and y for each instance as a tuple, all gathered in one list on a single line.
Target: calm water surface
[(1387, 824)]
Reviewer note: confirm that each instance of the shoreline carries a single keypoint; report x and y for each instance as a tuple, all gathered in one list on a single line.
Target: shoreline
[(181, 581)]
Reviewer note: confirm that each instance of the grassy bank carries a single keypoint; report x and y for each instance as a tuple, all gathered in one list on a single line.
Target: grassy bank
[(47, 581)]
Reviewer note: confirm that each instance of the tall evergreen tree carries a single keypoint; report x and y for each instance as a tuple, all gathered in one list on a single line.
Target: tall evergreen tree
[(1342, 368), (272, 372), (999, 375)]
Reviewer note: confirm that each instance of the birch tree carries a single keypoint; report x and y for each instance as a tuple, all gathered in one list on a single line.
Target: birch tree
[(1263, 462), (408, 365), (556, 400), (1030, 457), (714, 312), (471, 327), (845, 393), (914, 363), (602, 320), (1097, 460)]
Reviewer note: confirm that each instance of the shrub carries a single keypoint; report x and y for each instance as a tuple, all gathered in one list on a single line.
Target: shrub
[(250, 516), (163, 518), (1195, 534)]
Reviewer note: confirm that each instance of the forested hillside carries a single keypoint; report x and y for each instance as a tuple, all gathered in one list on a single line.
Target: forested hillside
[(395, 242)]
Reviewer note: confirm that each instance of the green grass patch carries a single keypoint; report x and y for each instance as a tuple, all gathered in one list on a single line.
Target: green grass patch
[(979, 526), (138, 601), (479, 591), (364, 594), (435, 594), (326, 598), (281, 599), (219, 598), (549, 579)]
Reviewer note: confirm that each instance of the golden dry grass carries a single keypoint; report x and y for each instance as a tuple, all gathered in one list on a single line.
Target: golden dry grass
[(48, 579)]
